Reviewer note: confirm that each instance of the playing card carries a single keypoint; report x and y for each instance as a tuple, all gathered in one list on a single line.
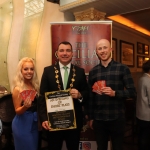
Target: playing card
[(101, 83), (98, 85), (24, 94), (95, 88), (28, 93), (32, 94)]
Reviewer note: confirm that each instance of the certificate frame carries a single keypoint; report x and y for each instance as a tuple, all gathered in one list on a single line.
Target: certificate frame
[(60, 110)]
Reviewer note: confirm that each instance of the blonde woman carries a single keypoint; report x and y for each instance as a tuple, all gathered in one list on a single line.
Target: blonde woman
[(25, 125)]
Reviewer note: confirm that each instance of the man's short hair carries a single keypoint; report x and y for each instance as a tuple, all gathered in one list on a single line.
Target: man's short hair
[(65, 43), (146, 66)]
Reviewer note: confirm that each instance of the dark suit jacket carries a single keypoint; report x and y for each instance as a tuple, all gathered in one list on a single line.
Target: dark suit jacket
[(48, 84)]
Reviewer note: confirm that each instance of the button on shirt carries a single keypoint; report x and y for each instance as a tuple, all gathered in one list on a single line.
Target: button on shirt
[(62, 70)]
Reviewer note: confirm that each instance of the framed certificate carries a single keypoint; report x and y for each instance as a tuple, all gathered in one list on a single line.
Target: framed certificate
[(60, 110)]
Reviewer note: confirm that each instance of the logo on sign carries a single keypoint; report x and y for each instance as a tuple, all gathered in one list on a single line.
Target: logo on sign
[(80, 29)]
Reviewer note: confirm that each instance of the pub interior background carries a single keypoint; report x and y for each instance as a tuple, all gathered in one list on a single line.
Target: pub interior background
[(25, 31)]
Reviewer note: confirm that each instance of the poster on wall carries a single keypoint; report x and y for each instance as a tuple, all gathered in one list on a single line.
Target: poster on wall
[(83, 36)]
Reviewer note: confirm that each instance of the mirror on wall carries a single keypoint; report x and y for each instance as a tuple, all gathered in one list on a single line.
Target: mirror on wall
[(6, 9)]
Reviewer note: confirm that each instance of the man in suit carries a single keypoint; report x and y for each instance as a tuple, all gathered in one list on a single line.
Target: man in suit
[(53, 80)]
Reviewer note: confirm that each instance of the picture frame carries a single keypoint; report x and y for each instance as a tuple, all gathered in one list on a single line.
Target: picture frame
[(114, 48), (140, 48), (141, 60), (146, 49), (127, 53)]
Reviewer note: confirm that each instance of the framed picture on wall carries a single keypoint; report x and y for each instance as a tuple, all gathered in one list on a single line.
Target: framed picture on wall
[(114, 49), (127, 53), (146, 49), (141, 60), (140, 48)]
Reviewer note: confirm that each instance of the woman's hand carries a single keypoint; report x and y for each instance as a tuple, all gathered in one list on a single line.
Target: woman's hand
[(27, 102)]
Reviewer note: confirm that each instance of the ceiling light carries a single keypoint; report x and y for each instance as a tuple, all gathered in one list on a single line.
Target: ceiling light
[(33, 7), (129, 23)]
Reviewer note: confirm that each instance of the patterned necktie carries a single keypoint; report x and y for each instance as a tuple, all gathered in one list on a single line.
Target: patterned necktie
[(65, 77)]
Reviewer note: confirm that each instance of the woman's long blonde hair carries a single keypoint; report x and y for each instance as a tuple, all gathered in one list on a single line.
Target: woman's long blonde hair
[(19, 79)]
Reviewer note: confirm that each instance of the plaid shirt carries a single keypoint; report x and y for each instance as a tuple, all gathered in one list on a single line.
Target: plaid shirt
[(119, 79)]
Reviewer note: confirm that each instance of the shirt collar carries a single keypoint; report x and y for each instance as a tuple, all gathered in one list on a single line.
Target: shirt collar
[(111, 62), (61, 65)]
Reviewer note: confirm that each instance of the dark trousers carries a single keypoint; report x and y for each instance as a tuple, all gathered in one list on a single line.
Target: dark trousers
[(71, 137), (143, 134), (109, 129)]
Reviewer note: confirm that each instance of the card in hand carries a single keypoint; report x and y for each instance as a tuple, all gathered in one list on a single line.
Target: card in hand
[(95, 88), (28, 93), (24, 94), (98, 85), (101, 83), (32, 94)]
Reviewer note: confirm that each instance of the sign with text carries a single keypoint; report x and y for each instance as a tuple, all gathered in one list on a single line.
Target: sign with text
[(83, 36), (60, 110)]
